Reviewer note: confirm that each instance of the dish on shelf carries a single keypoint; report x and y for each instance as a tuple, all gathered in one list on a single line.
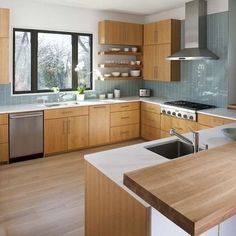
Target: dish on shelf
[(124, 74), (135, 73), (134, 49), (115, 74), (114, 49), (107, 75), (230, 133)]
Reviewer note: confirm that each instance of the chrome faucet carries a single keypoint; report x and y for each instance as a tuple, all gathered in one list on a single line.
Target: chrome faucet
[(60, 96), (194, 143)]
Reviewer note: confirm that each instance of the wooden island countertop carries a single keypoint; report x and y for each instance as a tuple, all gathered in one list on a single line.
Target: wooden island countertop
[(195, 192)]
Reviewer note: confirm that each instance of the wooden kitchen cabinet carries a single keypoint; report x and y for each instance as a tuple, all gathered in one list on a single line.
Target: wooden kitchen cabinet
[(99, 125), (4, 155), (65, 129), (77, 132), (55, 136), (4, 22), (120, 33), (150, 33), (150, 121)]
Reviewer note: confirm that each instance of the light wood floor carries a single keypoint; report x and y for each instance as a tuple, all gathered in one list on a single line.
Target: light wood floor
[(45, 196)]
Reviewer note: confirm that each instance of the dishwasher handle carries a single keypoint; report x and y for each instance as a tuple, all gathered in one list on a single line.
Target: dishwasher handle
[(25, 115)]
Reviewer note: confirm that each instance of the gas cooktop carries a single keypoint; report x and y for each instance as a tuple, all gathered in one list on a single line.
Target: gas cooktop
[(189, 105)]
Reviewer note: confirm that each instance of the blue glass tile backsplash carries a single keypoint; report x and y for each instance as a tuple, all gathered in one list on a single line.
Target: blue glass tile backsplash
[(204, 81)]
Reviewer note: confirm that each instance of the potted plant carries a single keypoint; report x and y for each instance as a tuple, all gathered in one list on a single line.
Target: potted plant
[(82, 75), (80, 91)]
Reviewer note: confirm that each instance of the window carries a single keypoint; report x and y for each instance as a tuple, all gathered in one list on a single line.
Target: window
[(46, 59)]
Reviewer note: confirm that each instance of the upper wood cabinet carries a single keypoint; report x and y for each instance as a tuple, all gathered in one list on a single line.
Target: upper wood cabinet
[(120, 33), (4, 46), (4, 23), (161, 39)]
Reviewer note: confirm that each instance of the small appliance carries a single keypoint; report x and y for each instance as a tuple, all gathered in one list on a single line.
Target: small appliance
[(143, 92)]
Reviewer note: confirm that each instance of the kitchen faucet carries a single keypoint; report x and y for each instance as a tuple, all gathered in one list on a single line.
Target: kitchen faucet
[(60, 96), (194, 143)]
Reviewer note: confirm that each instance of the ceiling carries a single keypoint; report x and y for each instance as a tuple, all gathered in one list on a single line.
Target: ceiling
[(141, 7)]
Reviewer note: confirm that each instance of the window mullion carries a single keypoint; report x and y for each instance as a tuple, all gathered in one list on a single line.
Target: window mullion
[(34, 61), (74, 60)]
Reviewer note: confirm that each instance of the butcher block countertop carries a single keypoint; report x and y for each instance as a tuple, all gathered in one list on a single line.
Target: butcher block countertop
[(195, 192)]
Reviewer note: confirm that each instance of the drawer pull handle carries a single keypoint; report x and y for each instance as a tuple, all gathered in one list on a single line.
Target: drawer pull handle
[(99, 107), (125, 117), (67, 112), (125, 132), (125, 106)]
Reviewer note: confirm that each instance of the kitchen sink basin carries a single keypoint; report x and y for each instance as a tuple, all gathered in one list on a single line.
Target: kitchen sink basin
[(58, 104), (172, 150)]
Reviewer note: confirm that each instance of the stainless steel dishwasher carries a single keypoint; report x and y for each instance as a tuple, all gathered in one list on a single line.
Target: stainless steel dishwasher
[(26, 135)]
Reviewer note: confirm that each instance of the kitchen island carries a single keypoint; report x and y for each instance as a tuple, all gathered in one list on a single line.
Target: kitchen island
[(113, 209)]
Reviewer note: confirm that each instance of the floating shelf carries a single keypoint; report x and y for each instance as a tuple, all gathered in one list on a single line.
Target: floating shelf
[(122, 78), (115, 65), (120, 53)]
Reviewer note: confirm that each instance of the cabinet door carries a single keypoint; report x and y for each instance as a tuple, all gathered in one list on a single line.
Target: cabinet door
[(164, 32), (3, 133), (77, 132), (166, 123), (150, 33), (4, 23), (55, 135), (150, 133), (133, 34), (125, 118), (4, 60), (163, 65), (183, 126), (150, 62), (99, 125), (151, 119), (4, 152)]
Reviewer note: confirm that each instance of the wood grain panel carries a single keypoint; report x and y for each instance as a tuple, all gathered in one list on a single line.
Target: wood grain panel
[(213, 121), (4, 60), (110, 210), (125, 118), (78, 132), (195, 192), (165, 134), (149, 62), (151, 119), (145, 106), (3, 133), (4, 22), (65, 112), (4, 119), (166, 123), (150, 33), (202, 127), (4, 156), (99, 125), (126, 132), (150, 133), (133, 34), (55, 136), (125, 106), (183, 126), (164, 32)]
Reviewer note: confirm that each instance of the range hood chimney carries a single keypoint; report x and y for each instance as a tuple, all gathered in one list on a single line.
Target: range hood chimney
[(195, 33)]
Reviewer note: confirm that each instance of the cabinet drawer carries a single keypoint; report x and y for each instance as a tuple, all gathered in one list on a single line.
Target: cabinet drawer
[(125, 106), (3, 119), (150, 133), (124, 133), (3, 134), (151, 119), (166, 123), (150, 107), (65, 112), (125, 118), (213, 121), (4, 157)]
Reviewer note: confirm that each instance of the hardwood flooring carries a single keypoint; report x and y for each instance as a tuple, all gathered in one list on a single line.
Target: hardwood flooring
[(45, 197)]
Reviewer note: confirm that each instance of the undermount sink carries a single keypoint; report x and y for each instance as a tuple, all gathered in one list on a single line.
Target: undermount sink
[(60, 104), (172, 150)]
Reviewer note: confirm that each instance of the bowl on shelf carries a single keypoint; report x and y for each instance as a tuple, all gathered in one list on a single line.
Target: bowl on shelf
[(124, 74), (115, 74), (230, 133), (135, 73), (107, 75), (134, 49), (114, 49)]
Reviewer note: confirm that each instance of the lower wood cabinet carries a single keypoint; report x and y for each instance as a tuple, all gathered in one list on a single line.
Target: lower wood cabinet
[(150, 133), (99, 125), (70, 132), (4, 153)]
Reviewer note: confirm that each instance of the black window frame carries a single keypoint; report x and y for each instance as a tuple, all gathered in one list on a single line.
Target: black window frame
[(34, 59)]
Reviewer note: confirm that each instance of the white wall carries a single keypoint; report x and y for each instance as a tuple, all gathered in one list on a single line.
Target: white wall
[(214, 6)]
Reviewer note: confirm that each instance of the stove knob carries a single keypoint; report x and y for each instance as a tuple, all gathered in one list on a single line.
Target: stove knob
[(185, 116), (164, 111), (191, 117), (179, 115), (173, 113), (168, 112)]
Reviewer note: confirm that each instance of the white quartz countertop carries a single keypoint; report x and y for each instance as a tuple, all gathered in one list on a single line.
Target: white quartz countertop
[(114, 163), (220, 112), (88, 102)]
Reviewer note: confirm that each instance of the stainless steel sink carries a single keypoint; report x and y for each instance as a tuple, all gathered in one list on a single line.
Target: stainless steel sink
[(172, 150), (60, 104)]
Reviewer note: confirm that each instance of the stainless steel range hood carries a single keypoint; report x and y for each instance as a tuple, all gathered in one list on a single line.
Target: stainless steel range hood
[(195, 34)]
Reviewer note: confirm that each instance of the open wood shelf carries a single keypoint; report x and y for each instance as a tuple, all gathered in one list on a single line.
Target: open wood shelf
[(120, 53), (122, 78), (115, 65)]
